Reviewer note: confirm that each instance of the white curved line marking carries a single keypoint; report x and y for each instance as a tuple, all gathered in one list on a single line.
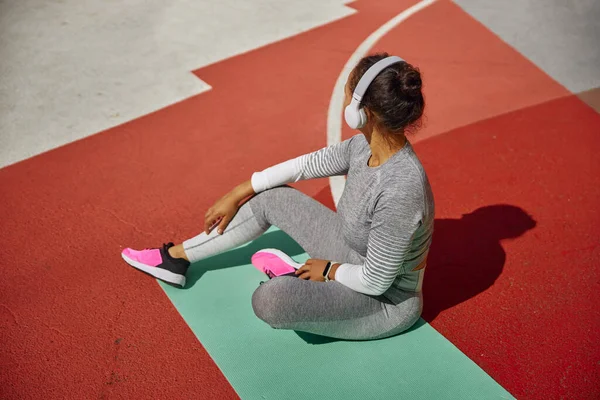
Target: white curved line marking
[(334, 115)]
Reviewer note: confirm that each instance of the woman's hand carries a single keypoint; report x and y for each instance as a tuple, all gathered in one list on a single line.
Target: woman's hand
[(223, 211), (312, 270)]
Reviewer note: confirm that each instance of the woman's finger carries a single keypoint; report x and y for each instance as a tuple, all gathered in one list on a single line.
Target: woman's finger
[(215, 222), (210, 222), (305, 275), (209, 216), (207, 223), (223, 224), (302, 269)]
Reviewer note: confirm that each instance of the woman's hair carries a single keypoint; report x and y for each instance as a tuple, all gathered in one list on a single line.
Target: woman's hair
[(394, 96)]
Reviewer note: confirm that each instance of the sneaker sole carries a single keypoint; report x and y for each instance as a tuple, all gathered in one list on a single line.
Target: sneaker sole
[(280, 254), (159, 273)]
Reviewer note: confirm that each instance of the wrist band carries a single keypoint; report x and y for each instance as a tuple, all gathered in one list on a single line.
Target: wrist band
[(326, 271)]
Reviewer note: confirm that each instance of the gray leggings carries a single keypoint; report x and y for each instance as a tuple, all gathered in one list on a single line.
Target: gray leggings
[(328, 309)]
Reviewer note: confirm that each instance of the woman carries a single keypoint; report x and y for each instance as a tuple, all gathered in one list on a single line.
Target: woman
[(364, 280)]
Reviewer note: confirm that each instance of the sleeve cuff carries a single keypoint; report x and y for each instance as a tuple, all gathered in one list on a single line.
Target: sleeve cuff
[(277, 175), (349, 275), (258, 181)]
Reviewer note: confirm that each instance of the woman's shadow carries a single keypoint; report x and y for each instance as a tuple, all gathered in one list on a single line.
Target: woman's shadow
[(466, 255)]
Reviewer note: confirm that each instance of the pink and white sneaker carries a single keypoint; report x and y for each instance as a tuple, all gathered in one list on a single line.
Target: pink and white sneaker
[(159, 264), (274, 263)]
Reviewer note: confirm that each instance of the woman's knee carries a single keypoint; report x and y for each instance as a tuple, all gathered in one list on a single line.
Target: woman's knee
[(270, 196), (264, 202), (266, 302)]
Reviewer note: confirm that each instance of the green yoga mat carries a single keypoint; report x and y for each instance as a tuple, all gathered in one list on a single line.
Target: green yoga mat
[(264, 363)]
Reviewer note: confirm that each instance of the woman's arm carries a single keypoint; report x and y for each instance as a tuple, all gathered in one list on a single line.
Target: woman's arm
[(329, 161), (243, 191), (223, 211)]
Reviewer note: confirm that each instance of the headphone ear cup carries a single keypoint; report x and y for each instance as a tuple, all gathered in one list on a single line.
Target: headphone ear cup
[(355, 116), (351, 115), (362, 116)]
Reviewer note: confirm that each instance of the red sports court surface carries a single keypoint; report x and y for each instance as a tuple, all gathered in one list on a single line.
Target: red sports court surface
[(503, 142)]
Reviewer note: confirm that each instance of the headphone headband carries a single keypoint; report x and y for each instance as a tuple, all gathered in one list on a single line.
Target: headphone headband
[(371, 74)]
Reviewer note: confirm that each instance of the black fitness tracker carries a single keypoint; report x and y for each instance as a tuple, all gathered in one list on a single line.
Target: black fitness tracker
[(326, 271)]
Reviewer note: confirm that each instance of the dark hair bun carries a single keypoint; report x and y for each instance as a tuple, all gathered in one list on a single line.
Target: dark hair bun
[(410, 82)]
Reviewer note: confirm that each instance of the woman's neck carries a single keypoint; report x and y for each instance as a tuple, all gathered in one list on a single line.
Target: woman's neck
[(383, 148)]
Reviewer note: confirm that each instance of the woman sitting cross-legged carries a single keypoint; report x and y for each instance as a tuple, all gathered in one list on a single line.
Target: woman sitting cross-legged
[(366, 272)]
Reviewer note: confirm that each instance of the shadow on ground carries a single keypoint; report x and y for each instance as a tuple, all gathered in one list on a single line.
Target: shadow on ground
[(466, 256)]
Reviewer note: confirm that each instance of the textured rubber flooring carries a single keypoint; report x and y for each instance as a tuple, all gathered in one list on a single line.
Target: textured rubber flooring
[(519, 300)]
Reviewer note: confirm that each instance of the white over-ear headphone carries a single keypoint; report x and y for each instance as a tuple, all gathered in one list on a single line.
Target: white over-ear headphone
[(354, 114)]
